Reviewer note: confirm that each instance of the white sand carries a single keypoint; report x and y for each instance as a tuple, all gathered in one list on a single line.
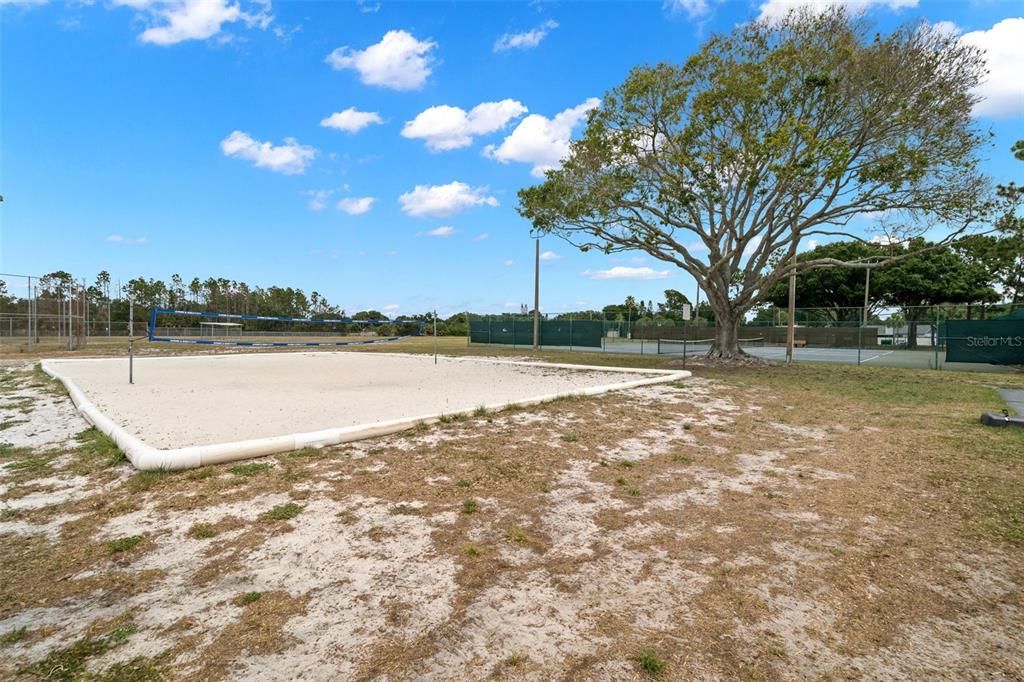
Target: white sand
[(201, 400)]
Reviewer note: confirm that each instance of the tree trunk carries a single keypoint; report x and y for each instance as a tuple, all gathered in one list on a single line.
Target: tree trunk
[(726, 343)]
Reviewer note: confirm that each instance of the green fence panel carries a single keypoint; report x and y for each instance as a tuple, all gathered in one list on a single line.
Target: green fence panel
[(584, 333), (587, 333), (995, 342)]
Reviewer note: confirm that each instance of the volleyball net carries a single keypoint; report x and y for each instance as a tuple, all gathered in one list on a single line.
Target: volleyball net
[(167, 325)]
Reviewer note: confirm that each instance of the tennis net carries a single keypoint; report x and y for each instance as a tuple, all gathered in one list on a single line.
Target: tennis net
[(699, 346)]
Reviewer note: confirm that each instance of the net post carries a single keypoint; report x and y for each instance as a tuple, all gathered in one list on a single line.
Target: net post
[(860, 336), (131, 341), (935, 338), (435, 337)]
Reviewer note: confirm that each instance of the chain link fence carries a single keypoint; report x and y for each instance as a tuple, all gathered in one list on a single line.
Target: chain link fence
[(987, 338)]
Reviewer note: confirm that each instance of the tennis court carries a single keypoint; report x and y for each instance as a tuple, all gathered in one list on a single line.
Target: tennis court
[(186, 411)]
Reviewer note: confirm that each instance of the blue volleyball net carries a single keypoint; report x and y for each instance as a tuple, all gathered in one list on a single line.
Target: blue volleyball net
[(168, 325)]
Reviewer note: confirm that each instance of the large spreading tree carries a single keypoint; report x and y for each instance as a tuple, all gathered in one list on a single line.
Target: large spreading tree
[(777, 132)]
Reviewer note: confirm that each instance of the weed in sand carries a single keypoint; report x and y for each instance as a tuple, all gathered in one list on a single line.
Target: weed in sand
[(250, 469), (632, 491), (570, 437), (626, 464), (480, 411), (13, 636), (515, 659), (649, 661), (202, 531), (517, 534), (11, 423), (8, 513), (247, 598), (421, 427), (620, 481), (682, 459), (69, 663), (472, 551), (124, 544), (470, 506), (404, 509), (463, 483), (283, 512)]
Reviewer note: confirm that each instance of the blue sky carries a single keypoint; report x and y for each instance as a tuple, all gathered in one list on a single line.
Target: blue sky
[(339, 147)]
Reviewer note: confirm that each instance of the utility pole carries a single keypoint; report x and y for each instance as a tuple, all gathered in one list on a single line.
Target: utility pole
[(536, 294), (791, 322)]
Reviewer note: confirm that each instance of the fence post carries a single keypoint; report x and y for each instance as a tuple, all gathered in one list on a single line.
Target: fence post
[(860, 338), (570, 332), (935, 338)]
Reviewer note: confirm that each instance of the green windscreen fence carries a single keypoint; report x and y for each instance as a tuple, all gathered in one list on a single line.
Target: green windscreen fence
[(996, 342), (512, 332)]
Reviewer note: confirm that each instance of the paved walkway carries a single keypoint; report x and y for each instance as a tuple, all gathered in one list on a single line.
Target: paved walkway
[(1014, 397)]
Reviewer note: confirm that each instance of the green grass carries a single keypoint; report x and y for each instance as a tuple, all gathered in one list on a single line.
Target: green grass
[(13, 636), (69, 663), (632, 491), (202, 531), (283, 512), (250, 469), (248, 598), (142, 481), (124, 544), (202, 473), (650, 662), (470, 506), (472, 551), (480, 411), (626, 464), (138, 669), (98, 449), (570, 437)]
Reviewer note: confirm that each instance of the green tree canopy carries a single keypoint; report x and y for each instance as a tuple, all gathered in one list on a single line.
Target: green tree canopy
[(776, 132)]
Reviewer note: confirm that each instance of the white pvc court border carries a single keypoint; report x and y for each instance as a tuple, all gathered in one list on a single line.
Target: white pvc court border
[(146, 457)]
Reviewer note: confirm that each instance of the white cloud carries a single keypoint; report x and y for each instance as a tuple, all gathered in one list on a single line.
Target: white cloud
[(443, 231), (549, 255), (318, 198), (481, 237), (693, 8), (175, 21), (541, 141), (391, 307), (356, 206), (509, 263), (398, 61), (445, 127), (290, 158), (351, 120), (1002, 92), (526, 40), (623, 272), (130, 241), (778, 9), (368, 7), (444, 200)]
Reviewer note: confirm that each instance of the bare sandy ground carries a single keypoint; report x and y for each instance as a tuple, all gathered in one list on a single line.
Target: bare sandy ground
[(182, 401)]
